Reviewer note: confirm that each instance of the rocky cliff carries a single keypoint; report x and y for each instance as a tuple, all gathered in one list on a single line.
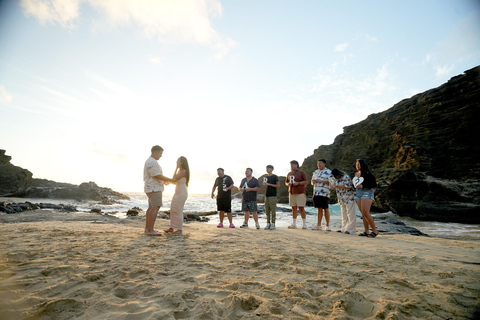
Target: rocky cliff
[(13, 180), (18, 182), (424, 152)]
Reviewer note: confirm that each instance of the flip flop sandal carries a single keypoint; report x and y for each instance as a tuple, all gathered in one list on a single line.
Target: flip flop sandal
[(373, 235), (363, 234)]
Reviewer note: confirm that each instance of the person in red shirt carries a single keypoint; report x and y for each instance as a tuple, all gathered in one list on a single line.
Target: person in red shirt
[(297, 198)]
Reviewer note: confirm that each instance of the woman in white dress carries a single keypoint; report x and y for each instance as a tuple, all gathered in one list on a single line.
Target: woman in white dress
[(182, 177)]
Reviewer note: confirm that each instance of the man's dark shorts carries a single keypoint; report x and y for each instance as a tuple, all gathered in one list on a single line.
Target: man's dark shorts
[(249, 206), (224, 205), (320, 202)]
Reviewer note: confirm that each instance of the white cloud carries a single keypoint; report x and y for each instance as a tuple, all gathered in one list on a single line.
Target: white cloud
[(4, 95), (371, 38), (462, 43), (108, 84), (341, 47), (110, 152), (442, 71), (370, 93), (155, 60), (63, 12), (171, 22)]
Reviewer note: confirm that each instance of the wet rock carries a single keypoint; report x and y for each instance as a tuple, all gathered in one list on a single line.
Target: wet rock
[(132, 212), (388, 225), (192, 217)]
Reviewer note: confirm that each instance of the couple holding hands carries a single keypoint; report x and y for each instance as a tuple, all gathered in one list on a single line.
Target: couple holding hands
[(154, 181)]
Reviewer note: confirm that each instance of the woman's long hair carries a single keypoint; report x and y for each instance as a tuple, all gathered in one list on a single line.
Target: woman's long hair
[(183, 165), (364, 169)]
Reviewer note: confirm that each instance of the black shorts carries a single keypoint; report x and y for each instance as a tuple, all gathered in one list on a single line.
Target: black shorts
[(320, 202), (224, 205)]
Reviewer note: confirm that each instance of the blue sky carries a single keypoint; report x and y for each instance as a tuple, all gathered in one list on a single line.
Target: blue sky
[(88, 86)]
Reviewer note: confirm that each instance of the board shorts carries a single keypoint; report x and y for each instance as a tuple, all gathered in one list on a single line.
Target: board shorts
[(155, 199), (224, 204), (320, 202), (364, 194), (249, 206), (297, 200)]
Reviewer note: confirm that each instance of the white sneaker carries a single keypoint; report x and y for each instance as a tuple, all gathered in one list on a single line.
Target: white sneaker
[(268, 226), (328, 229), (272, 226), (244, 225), (304, 226), (292, 227), (317, 228), (257, 225)]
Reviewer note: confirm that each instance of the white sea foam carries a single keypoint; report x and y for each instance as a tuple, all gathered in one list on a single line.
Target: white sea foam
[(202, 203)]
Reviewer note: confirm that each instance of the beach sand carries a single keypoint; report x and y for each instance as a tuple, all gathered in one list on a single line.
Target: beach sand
[(89, 266)]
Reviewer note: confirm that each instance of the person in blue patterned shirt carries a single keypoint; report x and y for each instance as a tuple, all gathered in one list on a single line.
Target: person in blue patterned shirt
[(321, 193)]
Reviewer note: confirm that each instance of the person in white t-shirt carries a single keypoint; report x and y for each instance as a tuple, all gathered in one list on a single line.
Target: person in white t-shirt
[(154, 181)]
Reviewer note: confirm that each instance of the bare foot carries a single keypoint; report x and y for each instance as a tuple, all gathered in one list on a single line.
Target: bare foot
[(153, 233)]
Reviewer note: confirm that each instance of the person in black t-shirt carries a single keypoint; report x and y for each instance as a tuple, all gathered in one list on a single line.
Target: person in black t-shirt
[(272, 183), (224, 184)]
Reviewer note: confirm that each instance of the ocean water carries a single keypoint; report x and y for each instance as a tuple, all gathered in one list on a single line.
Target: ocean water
[(202, 203)]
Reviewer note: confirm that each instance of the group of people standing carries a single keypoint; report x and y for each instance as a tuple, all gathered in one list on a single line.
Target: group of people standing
[(249, 187), (350, 192), (359, 191)]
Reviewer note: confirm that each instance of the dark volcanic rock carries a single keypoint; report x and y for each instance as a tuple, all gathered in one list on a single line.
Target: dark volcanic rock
[(26, 206), (18, 182), (13, 180), (42, 188), (423, 151)]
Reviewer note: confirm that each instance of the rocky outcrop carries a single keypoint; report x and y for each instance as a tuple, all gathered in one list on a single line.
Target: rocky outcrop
[(18, 182), (423, 151), (13, 180), (10, 208), (42, 188)]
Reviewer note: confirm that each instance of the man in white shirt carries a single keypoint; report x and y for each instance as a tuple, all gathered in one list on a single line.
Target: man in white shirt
[(154, 180)]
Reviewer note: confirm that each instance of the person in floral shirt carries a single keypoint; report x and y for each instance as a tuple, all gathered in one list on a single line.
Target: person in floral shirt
[(346, 199), (321, 193)]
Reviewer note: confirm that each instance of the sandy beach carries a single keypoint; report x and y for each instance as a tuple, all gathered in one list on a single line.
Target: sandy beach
[(89, 266)]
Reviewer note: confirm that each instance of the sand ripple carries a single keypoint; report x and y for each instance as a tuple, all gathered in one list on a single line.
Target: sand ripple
[(58, 269)]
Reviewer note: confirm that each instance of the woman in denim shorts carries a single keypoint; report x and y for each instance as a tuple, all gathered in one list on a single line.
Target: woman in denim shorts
[(364, 197)]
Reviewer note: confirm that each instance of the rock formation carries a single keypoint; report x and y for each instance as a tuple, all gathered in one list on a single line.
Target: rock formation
[(424, 152), (41, 188), (13, 180), (18, 182)]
